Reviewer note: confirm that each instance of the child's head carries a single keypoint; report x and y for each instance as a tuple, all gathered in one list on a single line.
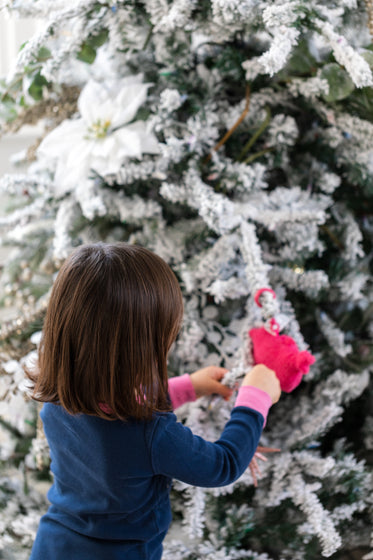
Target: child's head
[(114, 312)]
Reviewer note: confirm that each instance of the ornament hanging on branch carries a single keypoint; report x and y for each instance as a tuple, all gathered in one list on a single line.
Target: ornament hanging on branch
[(279, 352)]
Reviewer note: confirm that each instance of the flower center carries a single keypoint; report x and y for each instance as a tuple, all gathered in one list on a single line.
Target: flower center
[(98, 129)]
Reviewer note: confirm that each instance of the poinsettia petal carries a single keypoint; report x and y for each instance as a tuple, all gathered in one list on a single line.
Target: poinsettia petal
[(58, 142), (67, 178), (127, 103), (73, 169), (128, 142), (131, 79), (148, 141), (95, 103), (103, 147), (105, 166)]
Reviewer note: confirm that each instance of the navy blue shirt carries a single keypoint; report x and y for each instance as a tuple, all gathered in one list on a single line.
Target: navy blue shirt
[(110, 496)]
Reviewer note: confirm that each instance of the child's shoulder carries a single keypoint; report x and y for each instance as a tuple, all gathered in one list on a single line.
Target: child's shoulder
[(54, 411)]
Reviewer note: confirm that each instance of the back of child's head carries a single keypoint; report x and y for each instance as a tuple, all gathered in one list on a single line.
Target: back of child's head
[(114, 312)]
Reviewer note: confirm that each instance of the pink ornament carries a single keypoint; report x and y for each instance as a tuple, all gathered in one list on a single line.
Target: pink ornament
[(280, 353), (259, 293)]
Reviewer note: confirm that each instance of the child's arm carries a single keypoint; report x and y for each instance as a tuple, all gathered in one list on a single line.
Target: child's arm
[(181, 390), (177, 453), (206, 381)]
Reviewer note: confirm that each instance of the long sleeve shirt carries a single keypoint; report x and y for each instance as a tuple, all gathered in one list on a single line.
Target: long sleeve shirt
[(110, 495)]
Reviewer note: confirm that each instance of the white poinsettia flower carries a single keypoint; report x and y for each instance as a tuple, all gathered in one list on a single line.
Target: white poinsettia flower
[(103, 136)]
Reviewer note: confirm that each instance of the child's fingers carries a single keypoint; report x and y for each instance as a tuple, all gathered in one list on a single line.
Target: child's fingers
[(206, 381), (253, 474), (218, 372), (260, 456), (255, 471), (220, 389), (254, 465)]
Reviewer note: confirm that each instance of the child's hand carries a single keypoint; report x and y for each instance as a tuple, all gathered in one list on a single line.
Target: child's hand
[(265, 379), (254, 467), (206, 381)]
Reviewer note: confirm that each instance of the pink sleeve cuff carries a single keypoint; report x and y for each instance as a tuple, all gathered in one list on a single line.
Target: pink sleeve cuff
[(181, 390), (254, 398)]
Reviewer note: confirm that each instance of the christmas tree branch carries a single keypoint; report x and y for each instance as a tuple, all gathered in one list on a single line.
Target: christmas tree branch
[(229, 133), (255, 136), (369, 7), (257, 155)]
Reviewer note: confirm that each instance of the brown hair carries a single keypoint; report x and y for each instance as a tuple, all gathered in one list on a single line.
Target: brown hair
[(114, 312)]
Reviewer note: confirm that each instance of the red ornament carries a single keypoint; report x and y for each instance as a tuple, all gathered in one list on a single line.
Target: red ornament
[(259, 293), (279, 352)]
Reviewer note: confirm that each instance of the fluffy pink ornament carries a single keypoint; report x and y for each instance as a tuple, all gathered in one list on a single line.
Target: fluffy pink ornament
[(280, 353)]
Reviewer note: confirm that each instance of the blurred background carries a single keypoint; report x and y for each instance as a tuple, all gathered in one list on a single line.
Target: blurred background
[(13, 33)]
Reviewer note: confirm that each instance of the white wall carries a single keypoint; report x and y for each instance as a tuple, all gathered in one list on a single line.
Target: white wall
[(13, 33)]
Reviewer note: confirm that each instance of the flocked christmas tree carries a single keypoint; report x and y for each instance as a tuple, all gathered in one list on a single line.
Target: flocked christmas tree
[(235, 139)]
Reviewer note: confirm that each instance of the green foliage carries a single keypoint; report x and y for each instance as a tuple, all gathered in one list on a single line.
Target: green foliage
[(8, 110), (301, 62), (99, 38), (340, 83), (228, 60), (43, 55), (87, 53), (89, 48), (275, 531), (22, 449), (360, 103), (37, 86)]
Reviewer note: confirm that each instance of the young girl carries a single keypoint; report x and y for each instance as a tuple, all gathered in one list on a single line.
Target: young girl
[(114, 312)]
